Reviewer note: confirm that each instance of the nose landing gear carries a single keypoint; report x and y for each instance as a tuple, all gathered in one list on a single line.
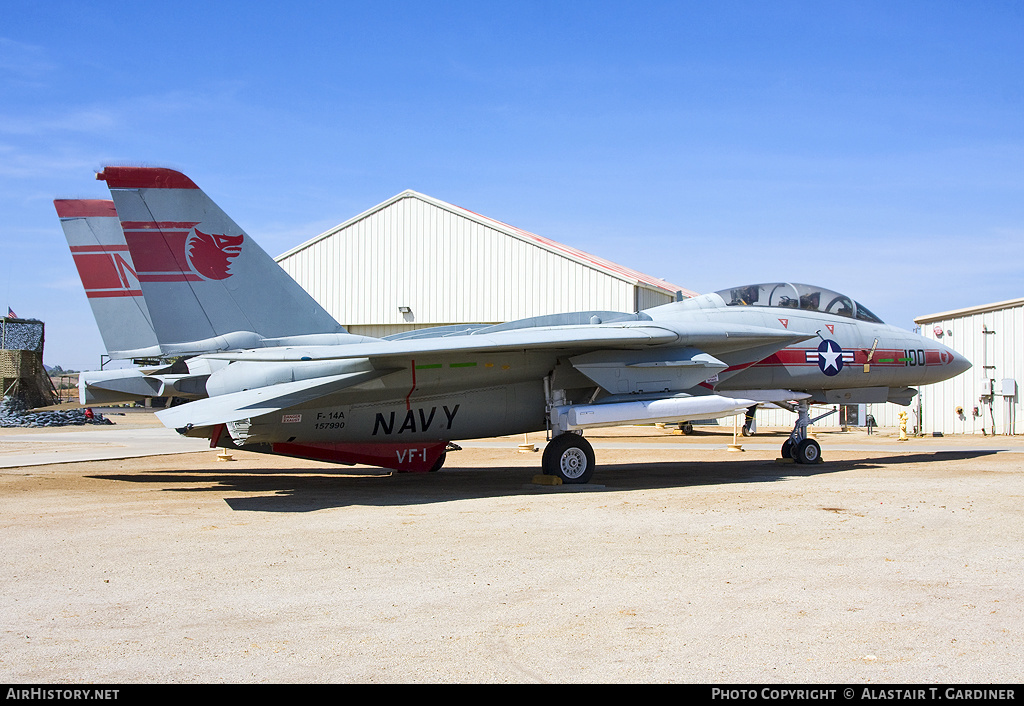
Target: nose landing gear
[(800, 447)]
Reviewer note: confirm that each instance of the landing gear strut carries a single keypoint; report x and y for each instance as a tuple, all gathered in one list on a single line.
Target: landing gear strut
[(800, 447), (748, 421)]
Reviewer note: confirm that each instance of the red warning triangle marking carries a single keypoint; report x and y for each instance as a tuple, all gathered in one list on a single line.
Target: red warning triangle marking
[(831, 328), (784, 322)]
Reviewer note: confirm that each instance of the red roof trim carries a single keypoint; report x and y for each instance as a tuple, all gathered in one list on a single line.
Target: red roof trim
[(598, 262)]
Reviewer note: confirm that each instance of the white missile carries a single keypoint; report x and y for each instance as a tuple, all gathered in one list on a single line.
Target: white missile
[(673, 409)]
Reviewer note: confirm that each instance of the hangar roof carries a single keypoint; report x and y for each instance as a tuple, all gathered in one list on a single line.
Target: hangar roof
[(610, 268), (957, 313)]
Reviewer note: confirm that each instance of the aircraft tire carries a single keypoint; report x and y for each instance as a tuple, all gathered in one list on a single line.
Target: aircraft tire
[(570, 457), (787, 449), (686, 428), (807, 451)]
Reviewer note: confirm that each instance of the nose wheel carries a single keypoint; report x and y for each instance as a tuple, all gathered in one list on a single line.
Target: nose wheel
[(806, 451)]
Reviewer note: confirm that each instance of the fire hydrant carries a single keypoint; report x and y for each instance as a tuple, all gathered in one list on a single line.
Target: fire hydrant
[(903, 427)]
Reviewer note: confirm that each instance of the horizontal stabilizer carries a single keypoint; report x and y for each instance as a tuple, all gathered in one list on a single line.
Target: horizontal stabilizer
[(97, 387)]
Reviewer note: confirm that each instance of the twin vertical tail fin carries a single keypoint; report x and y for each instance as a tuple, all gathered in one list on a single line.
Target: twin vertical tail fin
[(207, 284), (109, 276)]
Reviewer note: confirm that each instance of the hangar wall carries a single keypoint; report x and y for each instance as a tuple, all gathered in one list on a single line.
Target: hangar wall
[(414, 261), (989, 394)]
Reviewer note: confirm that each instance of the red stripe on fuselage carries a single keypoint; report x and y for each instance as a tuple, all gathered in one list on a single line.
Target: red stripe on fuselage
[(797, 358)]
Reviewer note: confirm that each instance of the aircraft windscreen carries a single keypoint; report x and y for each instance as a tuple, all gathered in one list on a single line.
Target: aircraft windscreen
[(797, 296)]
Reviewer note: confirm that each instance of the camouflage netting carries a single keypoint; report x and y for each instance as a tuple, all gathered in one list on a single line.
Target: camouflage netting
[(22, 375), (15, 413), (21, 335)]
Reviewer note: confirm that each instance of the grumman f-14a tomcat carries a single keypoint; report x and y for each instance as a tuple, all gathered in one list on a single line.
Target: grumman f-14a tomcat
[(400, 402)]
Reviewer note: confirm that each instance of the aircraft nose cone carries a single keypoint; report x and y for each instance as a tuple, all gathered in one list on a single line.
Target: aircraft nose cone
[(953, 362), (959, 365)]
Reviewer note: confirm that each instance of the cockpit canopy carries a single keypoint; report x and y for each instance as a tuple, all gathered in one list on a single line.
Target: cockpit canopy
[(798, 296)]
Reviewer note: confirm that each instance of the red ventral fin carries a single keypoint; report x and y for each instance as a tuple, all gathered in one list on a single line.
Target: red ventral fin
[(417, 458)]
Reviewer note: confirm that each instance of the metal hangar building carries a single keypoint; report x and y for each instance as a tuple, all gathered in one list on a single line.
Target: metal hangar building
[(985, 399), (415, 262)]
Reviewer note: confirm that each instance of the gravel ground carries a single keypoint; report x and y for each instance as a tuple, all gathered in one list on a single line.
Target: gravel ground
[(888, 563)]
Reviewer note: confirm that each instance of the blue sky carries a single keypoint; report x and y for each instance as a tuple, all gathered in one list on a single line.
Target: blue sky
[(875, 148)]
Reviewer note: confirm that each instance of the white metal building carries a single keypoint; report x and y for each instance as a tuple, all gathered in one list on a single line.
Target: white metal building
[(985, 399), (414, 261)]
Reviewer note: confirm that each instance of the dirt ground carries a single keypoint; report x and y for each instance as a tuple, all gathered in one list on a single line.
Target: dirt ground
[(680, 562)]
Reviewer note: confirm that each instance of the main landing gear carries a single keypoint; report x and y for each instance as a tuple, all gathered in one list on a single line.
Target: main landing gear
[(569, 457), (800, 447), (748, 421)]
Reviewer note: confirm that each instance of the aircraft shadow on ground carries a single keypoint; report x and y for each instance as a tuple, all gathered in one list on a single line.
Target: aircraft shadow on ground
[(306, 490)]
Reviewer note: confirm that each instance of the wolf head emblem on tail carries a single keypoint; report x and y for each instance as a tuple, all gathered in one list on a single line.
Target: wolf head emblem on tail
[(210, 255)]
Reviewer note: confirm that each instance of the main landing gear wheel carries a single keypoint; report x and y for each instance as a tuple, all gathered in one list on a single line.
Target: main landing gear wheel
[(569, 457), (787, 449), (686, 427)]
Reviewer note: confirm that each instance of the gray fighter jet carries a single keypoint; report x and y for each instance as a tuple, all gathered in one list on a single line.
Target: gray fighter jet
[(401, 402)]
